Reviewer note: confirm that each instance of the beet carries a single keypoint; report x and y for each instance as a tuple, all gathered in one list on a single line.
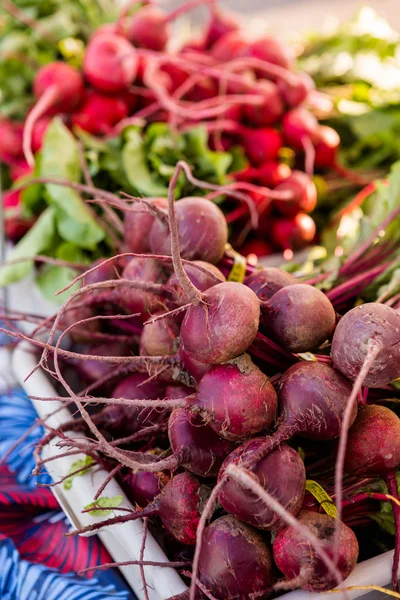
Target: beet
[(137, 224), (240, 399), (160, 338), (235, 563), (142, 487), (195, 368), (110, 63), (294, 554), (200, 279), (93, 370), (202, 229), (137, 300), (268, 280), (281, 473), (362, 329), (104, 272)]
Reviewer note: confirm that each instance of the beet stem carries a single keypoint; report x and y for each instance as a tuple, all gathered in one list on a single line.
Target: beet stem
[(141, 558), (391, 482), (44, 102), (373, 351), (145, 563)]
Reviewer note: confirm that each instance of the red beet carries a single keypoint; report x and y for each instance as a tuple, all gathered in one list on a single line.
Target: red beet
[(105, 272), (160, 338), (289, 321), (138, 223), (93, 370), (359, 330), (267, 113), (99, 113), (293, 233), (58, 88), (142, 487), (294, 555), (110, 63), (235, 563), (222, 327), (200, 279), (265, 282), (239, 397), (262, 145), (195, 368), (304, 194), (149, 28), (281, 473), (202, 229), (137, 300)]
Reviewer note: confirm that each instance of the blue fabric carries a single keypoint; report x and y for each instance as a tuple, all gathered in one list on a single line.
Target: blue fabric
[(36, 561)]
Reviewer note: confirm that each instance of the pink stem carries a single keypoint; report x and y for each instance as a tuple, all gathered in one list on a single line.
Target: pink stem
[(47, 100), (309, 151), (350, 175), (184, 8)]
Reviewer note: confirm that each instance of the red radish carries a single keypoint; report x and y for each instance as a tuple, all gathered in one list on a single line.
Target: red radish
[(288, 317), (195, 368), (358, 332), (223, 325), (269, 111), (110, 63), (160, 338), (10, 140), (293, 233), (304, 192), (149, 28), (39, 131), (142, 487), (59, 89), (273, 51), (202, 228), (15, 225), (19, 168), (281, 473), (296, 558), (139, 300), (240, 398), (138, 222), (176, 75), (295, 90), (265, 282), (262, 145), (269, 174), (203, 90), (179, 506), (231, 45), (256, 247), (199, 278), (327, 142), (373, 449), (298, 124), (99, 113), (235, 563), (219, 25)]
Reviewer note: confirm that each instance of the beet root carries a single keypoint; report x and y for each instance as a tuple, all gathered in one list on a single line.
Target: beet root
[(235, 563), (199, 279), (300, 317), (281, 473), (139, 300), (357, 332), (160, 338), (223, 326), (137, 224), (239, 397), (294, 555), (265, 282)]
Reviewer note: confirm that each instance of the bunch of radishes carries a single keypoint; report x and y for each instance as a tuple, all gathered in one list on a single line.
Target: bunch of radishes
[(245, 92), (207, 391)]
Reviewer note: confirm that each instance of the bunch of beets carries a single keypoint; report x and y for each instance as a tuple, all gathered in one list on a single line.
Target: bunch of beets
[(209, 387), (246, 93)]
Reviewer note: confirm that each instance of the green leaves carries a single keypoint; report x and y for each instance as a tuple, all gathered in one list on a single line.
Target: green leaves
[(60, 160), (136, 169), (102, 503), (37, 240), (83, 463)]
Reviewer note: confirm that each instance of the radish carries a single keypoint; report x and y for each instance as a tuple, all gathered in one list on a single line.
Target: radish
[(256, 247), (296, 558), (15, 225), (235, 562), (327, 142), (368, 332), (200, 279), (288, 317), (137, 224), (380, 458), (10, 140), (219, 25), (59, 89), (19, 168), (293, 233), (295, 90), (239, 398), (262, 145), (298, 125), (39, 131), (269, 174), (231, 45), (281, 472), (304, 198), (179, 506), (149, 28), (269, 111), (273, 51), (160, 338), (99, 113), (110, 63), (202, 229), (265, 282)]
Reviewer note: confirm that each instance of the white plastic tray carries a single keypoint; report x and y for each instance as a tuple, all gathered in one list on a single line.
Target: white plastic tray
[(123, 541)]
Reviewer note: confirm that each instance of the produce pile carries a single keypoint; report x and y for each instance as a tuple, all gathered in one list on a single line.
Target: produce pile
[(233, 398), (114, 100)]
